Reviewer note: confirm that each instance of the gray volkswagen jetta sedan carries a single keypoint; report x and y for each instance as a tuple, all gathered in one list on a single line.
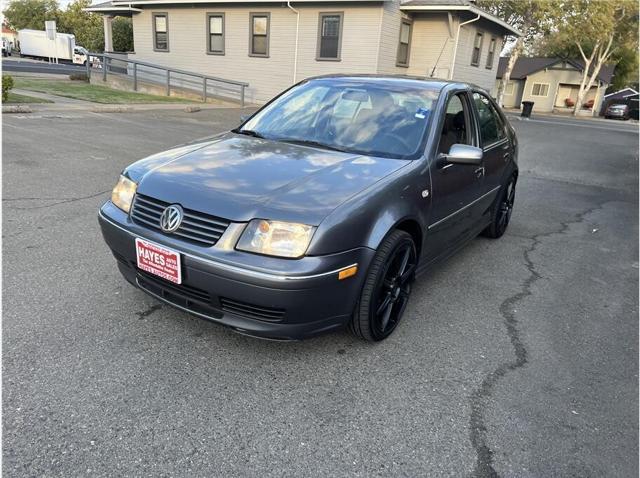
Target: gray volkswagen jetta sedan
[(319, 211)]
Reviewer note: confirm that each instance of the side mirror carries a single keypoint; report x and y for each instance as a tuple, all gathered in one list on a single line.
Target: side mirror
[(463, 154)]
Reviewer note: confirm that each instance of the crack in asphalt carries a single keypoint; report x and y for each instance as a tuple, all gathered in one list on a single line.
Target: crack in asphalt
[(484, 467), (59, 200)]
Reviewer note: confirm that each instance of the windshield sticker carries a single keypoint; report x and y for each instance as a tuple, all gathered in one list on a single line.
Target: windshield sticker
[(422, 113)]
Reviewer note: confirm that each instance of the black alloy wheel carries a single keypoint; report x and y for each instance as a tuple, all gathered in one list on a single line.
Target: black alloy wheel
[(387, 288), (502, 211)]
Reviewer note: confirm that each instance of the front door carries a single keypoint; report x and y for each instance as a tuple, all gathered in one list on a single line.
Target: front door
[(455, 187)]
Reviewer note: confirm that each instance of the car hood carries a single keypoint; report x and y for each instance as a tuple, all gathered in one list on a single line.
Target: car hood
[(241, 178)]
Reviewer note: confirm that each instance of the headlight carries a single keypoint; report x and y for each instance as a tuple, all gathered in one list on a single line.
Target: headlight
[(274, 238), (123, 193)]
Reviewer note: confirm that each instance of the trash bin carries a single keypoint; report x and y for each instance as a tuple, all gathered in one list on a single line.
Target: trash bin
[(527, 108)]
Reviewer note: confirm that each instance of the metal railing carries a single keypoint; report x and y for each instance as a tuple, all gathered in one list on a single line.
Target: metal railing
[(134, 68)]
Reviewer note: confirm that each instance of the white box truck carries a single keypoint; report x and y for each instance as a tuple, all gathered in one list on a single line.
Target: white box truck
[(35, 44)]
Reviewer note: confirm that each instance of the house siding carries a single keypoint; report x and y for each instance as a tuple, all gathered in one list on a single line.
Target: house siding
[(432, 45), (479, 75), (266, 76), (554, 77), (513, 100)]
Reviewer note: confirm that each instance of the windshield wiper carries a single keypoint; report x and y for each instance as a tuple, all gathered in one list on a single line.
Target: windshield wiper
[(249, 132), (309, 142)]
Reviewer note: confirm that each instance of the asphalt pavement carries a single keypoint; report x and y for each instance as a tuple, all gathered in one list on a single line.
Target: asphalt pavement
[(517, 357), (18, 65)]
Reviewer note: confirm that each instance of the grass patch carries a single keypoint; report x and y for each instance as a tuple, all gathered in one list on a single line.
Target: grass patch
[(15, 98), (95, 93)]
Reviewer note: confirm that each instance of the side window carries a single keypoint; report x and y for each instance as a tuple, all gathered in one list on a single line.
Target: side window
[(489, 121), (329, 36), (456, 122), (259, 34), (215, 26), (160, 32), (477, 48)]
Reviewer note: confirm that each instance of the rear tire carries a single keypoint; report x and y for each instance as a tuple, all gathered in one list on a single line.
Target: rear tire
[(386, 289), (502, 209)]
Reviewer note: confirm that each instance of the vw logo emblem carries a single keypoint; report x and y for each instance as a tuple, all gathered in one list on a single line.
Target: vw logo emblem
[(171, 218)]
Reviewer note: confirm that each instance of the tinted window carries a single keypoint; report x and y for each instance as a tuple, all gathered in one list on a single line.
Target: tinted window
[(454, 128), (376, 118), (490, 123)]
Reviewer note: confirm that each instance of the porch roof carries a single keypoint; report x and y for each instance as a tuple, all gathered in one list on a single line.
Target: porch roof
[(455, 5)]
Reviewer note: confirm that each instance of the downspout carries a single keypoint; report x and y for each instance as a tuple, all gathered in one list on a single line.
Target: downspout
[(455, 46), (295, 55)]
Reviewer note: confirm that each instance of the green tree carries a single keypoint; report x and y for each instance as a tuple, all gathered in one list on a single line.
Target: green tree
[(87, 27), (122, 34), (531, 17), (31, 14), (598, 32)]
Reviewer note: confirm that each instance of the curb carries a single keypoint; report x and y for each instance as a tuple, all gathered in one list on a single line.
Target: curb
[(16, 109)]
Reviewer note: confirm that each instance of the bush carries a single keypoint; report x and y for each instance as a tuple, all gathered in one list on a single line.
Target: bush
[(7, 84), (79, 77), (569, 103)]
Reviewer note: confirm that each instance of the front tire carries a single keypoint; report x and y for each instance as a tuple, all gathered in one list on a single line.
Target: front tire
[(386, 289), (502, 209)]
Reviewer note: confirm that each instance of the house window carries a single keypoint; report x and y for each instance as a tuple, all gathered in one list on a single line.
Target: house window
[(259, 32), (508, 91), (215, 33), (329, 36), (477, 47), (160, 32), (492, 50), (405, 42), (540, 89)]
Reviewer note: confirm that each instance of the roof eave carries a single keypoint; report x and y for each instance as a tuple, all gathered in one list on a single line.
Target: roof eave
[(468, 8), (180, 2)]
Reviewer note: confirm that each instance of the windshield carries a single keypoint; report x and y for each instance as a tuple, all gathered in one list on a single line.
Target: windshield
[(369, 116)]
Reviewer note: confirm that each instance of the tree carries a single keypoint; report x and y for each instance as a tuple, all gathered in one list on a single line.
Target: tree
[(87, 27), (598, 31), (31, 14), (531, 17), (122, 34)]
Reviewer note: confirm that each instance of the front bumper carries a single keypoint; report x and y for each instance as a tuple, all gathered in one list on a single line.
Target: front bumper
[(261, 296)]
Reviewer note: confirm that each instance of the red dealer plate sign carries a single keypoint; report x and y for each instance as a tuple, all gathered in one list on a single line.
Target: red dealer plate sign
[(158, 260)]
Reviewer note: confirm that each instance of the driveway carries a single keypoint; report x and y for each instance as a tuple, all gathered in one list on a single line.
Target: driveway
[(517, 357)]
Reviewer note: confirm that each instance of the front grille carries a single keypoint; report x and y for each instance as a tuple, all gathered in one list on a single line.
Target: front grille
[(197, 227), (268, 314)]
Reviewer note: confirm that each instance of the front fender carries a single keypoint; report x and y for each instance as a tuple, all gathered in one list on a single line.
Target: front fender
[(366, 219)]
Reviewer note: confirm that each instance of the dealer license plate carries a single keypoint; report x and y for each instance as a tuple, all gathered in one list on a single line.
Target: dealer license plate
[(158, 260)]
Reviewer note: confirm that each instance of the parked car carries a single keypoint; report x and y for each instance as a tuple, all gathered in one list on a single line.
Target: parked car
[(618, 111), (320, 209)]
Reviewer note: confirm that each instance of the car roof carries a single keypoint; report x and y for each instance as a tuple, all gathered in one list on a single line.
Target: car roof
[(435, 83)]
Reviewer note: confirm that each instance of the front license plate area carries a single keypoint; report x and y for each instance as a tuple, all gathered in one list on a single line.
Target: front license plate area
[(158, 260)]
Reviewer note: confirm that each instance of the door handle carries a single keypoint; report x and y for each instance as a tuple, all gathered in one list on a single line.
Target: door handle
[(479, 172)]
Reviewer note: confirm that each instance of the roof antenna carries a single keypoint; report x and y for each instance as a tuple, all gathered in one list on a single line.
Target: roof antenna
[(438, 60)]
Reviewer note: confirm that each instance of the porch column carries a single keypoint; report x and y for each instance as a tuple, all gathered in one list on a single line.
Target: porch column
[(108, 33)]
